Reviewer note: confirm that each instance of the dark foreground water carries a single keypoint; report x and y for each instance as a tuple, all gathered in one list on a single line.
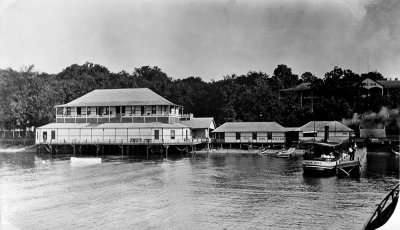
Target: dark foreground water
[(215, 192)]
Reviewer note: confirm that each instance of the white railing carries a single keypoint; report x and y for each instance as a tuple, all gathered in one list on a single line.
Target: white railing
[(125, 141)]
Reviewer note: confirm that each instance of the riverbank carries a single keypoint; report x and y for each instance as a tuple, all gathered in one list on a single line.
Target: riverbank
[(16, 149)]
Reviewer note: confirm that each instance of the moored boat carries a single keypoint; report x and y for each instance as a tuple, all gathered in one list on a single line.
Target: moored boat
[(286, 153), (396, 149), (78, 161), (322, 157)]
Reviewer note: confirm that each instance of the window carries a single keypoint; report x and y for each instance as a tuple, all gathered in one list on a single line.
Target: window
[(123, 109), (142, 110), (309, 134), (107, 110), (78, 110), (117, 110), (53, 134), (255, 136), (156, 134), (172, 134), (237, 136), (101, 110), (88, 110), (153, 109), (133, 109), (269, 135)]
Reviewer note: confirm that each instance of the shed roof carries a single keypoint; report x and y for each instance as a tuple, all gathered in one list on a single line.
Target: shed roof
[(111, 125), (119, 97), (320, 126), (250, 127), (200, 123)]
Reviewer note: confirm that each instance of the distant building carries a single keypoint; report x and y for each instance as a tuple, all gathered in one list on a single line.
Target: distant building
[(371, 88), (380, 87), (259, 133), (315, 130), (304, 91)]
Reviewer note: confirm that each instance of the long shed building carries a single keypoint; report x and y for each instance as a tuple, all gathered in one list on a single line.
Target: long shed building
[(254, 133), (315, 130)]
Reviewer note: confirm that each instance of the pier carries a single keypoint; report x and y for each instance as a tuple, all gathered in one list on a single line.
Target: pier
[(347, 168)]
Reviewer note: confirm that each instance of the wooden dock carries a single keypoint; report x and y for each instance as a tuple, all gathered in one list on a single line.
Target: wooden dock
[(347, 168)]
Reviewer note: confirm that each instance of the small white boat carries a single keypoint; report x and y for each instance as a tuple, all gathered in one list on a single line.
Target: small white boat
[(82, 161), (286, 153), (396, 149)]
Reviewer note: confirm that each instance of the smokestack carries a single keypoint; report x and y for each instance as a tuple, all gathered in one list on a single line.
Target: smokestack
[(326, 136)]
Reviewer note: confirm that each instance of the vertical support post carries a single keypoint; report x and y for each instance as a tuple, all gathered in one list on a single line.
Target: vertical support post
[(166, 151)]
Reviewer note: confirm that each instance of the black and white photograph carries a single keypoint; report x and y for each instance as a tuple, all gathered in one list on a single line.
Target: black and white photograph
[(199, 114)]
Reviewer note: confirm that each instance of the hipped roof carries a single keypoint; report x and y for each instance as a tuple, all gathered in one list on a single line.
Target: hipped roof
[(250, 127), (111, 125), (320, 126), (301, 87), (119, 97), (200, 123)]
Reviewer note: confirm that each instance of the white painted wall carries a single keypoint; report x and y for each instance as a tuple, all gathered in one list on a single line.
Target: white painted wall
[(320, 136), (109, 135), (277, 137)]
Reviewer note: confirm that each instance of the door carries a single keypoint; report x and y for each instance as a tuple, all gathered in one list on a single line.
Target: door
[(142, 110), (118, 110), (44, 136), (156, 134), (53, 134)]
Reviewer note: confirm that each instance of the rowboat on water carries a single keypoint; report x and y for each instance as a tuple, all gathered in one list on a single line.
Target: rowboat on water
[(77, 161), (286, 153), (396, 149)]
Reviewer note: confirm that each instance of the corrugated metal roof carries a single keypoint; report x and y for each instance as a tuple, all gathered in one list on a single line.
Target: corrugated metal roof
[(250, 127), (111, 125), (320, 126), (200, 123), (119, 97)]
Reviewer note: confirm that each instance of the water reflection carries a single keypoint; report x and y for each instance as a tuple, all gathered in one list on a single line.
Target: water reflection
[(184, 192)]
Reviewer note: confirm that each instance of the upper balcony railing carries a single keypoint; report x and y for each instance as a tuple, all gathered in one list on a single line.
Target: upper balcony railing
[(122, 118), (123, 115)]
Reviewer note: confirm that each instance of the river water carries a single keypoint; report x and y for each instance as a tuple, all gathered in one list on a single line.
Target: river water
[(205, 192)]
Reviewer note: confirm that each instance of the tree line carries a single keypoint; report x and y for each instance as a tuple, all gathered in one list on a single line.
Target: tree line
[(27, 97)]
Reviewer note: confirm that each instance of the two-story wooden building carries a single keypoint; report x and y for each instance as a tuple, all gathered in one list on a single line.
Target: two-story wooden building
[(118, 117)]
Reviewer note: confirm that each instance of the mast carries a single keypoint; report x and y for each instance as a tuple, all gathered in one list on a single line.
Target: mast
[(312, 110)]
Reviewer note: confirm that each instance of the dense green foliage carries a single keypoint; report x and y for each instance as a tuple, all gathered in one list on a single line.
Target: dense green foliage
[(27, 97)]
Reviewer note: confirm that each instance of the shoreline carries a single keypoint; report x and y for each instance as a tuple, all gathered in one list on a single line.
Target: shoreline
[(235, 151), (16, 150)]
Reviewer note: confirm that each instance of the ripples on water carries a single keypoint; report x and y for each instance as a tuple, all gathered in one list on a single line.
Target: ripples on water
[(215, 192)]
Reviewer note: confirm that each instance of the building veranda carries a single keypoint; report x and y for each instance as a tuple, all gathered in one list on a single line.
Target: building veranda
[(124, 120)]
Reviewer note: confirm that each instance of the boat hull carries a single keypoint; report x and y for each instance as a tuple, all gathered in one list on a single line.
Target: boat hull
[(314, 166)]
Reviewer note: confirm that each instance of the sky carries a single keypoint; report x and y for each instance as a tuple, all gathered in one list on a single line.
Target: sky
[(209, 39)]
